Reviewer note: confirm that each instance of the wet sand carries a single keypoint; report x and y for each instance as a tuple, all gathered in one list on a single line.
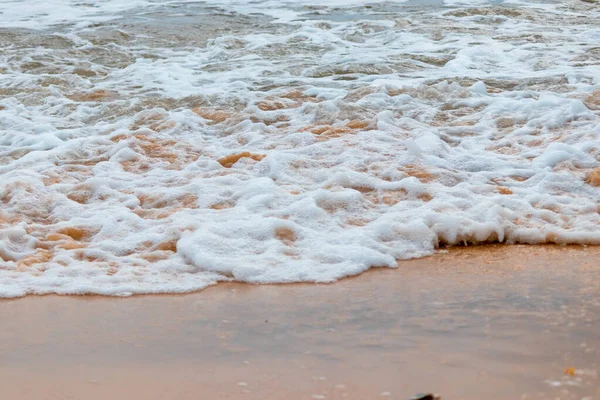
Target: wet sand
[(493, 322)]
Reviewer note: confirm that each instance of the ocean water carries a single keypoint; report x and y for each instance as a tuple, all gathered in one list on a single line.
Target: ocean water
[(154, 146)]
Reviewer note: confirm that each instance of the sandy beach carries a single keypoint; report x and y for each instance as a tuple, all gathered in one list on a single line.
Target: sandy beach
[(493, 322), (233, 199)]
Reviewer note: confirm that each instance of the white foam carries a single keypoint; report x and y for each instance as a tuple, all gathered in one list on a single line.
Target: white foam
[(445, 127), (39, 14)]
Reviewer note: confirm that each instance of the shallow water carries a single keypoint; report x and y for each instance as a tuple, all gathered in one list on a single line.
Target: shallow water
[(157, 146), (494, 322)]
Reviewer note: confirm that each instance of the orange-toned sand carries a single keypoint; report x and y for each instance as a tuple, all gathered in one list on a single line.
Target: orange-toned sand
[(215, 116), (594, 177), (230, 160), (493, 322), (325, 132)]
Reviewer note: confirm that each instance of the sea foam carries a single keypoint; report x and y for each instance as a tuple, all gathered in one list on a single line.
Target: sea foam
[(161, 147)]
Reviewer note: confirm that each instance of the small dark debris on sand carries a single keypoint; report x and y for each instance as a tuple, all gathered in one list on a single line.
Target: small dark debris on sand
[(425, 396)]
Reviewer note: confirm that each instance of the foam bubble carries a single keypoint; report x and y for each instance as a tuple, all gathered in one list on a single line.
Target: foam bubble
[(286, 141)]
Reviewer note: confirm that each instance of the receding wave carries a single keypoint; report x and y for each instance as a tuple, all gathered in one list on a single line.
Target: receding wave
[(155, 147)]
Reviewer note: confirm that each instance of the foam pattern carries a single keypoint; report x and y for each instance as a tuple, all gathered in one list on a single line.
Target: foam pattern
[(161, 147)]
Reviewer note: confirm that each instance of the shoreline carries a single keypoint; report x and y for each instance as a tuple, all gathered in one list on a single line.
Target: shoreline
[(490, 321), (458, 250)]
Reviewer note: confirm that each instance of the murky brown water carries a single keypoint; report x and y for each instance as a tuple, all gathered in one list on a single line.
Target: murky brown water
[(494, 322)]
